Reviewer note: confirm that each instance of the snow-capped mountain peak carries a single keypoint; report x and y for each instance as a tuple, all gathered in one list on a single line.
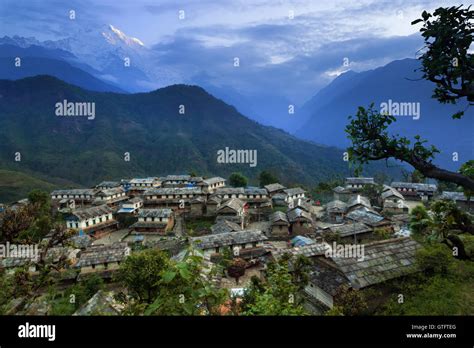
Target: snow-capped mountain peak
[(114, 34)]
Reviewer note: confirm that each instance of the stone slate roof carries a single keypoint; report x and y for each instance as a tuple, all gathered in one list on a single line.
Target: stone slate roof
[(74, 192), (278, 216), (455, 196), (297, 213), (214, 180), (255, 191), (327, 279), (233, 203), (367, 216), (143, 180), (102, 303), (110, 191), (358, 200), (336, 206), (92, 212), (383, 260), (302, 204), (214, 200), (156, 213), (309, 250), (173, 191), (100, 254), (177, 178), (360, 181), (416, 186), (294, 191), (274, 187), (391, 192), (229, 191), (229, 238), (224, 226), (349, 229)]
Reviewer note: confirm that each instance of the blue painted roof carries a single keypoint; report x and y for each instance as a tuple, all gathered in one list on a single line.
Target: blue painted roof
[(126, 210), (301, 240)]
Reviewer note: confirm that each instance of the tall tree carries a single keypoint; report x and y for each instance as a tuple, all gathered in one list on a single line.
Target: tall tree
[(267, 178), (237, 180), (448, 34)]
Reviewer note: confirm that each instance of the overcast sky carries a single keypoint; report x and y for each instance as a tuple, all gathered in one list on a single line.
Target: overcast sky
[(294, 56)]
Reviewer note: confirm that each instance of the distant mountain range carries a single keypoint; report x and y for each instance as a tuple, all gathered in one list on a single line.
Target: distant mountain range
[(150, 128), (399, 82)]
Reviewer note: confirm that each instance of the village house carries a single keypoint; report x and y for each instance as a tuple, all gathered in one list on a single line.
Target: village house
[(349, 232), (108, 185), (103, 259), (110, 196), (341, 194), (170, 197), (230, 192), (357, 202), (300, 221), (323, 286), (390, 207), (72, 198), (393, 201), (137, 186), (370, 218), (258, 202), (460, 199), (279, 225), (131, 206), (355, 185), (335, 211), (275, 188), (233, 210), (236, 241), (382, 261), (210, 185), (154, 221), (95, 221), (309, 250), (197, 206), (415, 191), (279, 200), (212, 204), (176, 181), (293, 193)]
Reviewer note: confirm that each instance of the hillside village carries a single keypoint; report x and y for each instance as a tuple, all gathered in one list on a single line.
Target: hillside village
[(255, 225)]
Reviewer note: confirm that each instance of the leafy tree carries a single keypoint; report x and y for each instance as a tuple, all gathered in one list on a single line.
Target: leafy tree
[(349, 302), (372, 192), (267, 178), (417, 177), (183, 290), (420, 221), (467, 169), (41, 199), (448, 36), (278, 295), (237, 180), (434, 258), (141, 273)]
